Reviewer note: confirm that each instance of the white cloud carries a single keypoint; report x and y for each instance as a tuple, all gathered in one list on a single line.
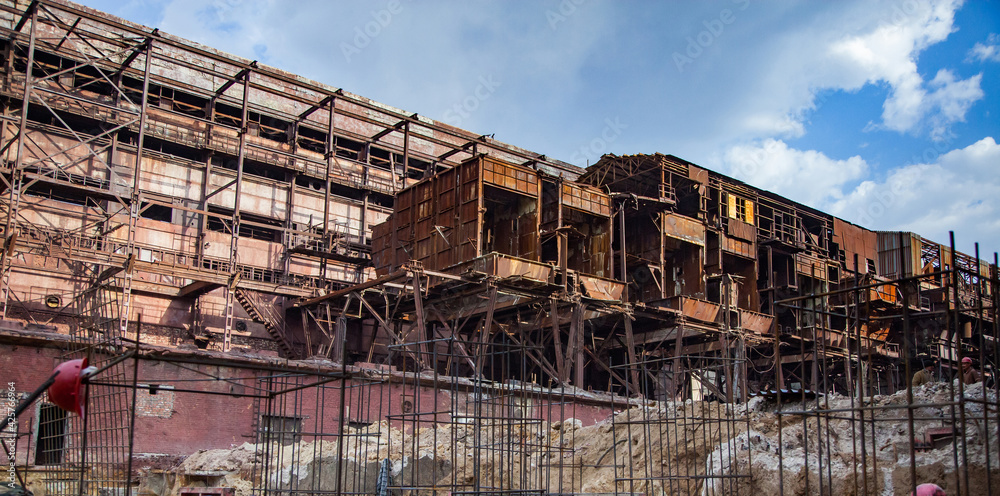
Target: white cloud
[(956, 190), (986, 52), (959, 190), (748, 86), (809, 176), (887, 53), (762, 73), (421, 57), (572, 74), (950, 100)]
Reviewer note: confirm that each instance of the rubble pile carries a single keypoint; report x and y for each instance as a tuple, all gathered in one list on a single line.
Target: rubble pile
[(822, 449), (656, 448)]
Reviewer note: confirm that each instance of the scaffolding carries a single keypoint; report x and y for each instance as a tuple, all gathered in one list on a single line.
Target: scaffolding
[(325, 428), (180, 173), (452, 313)]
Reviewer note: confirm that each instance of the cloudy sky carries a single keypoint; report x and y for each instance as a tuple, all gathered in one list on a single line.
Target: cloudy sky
[(885, 114)]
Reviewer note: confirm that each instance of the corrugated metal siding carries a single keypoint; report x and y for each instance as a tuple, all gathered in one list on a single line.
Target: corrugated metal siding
[(439, 220), (890, 263), (382, 257), (585, 198)]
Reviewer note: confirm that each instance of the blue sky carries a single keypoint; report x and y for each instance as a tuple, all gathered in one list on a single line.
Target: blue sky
[(886, 114)]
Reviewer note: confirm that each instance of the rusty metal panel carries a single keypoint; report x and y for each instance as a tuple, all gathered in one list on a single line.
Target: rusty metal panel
[(890, 264), (403, 223), (444, 231), (422, 217), (526, 269), (876, 329), (739, 247), (510, 177), (885, 293), (381, 244), (444, 184), (855, 240), (423, 248), (683, 228), (504, 266), (602, 289), (697, 174), (467, 234), (586, 198), (404, 200), (693, 308), (470, 190), (469, 213), (705, 311), (755, 322), (805, 264), (741, 230), (424, 198)]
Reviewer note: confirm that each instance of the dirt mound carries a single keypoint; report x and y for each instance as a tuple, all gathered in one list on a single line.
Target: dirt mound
[(831, 444)]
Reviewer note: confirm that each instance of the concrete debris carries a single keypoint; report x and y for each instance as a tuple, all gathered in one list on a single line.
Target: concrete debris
[(708, 448)]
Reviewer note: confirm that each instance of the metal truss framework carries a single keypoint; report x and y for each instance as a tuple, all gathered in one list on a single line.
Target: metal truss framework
[(645, 275), (94, 105)]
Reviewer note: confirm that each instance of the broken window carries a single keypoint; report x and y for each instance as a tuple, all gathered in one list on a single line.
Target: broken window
[(178, 101), (170, 148), (280, 429), (228, 115), (88, 78), (270, 127), (740, 208), (312, 139), (153, 211), (50, 439)]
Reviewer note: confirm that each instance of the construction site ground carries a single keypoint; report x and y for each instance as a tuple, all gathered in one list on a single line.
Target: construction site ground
[(691, 447)]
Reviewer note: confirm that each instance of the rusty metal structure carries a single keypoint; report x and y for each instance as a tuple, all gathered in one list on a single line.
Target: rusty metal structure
[(191, 181), (246, 209)]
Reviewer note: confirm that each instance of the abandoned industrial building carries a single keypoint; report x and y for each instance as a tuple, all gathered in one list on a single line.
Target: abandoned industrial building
[(287, 288)]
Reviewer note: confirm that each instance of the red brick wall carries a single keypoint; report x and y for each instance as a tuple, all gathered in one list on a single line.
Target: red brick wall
[(176, 422), (27, 368)]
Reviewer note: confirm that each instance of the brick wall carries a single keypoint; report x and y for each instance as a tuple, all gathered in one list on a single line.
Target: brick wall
[(175, 422), (159, 404)]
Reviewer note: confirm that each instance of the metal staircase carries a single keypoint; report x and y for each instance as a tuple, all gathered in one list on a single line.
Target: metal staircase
[(263, 312)]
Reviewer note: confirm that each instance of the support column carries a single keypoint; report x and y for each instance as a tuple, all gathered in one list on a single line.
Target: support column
[(578, 333), (418, 302), (15, 175), (676, 366), (330, 157), (557, 338), (740, 379), (487, 330), (406, 154), (289, 237), (133, 217), (234, 272), (633, 364), (339, 338)]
